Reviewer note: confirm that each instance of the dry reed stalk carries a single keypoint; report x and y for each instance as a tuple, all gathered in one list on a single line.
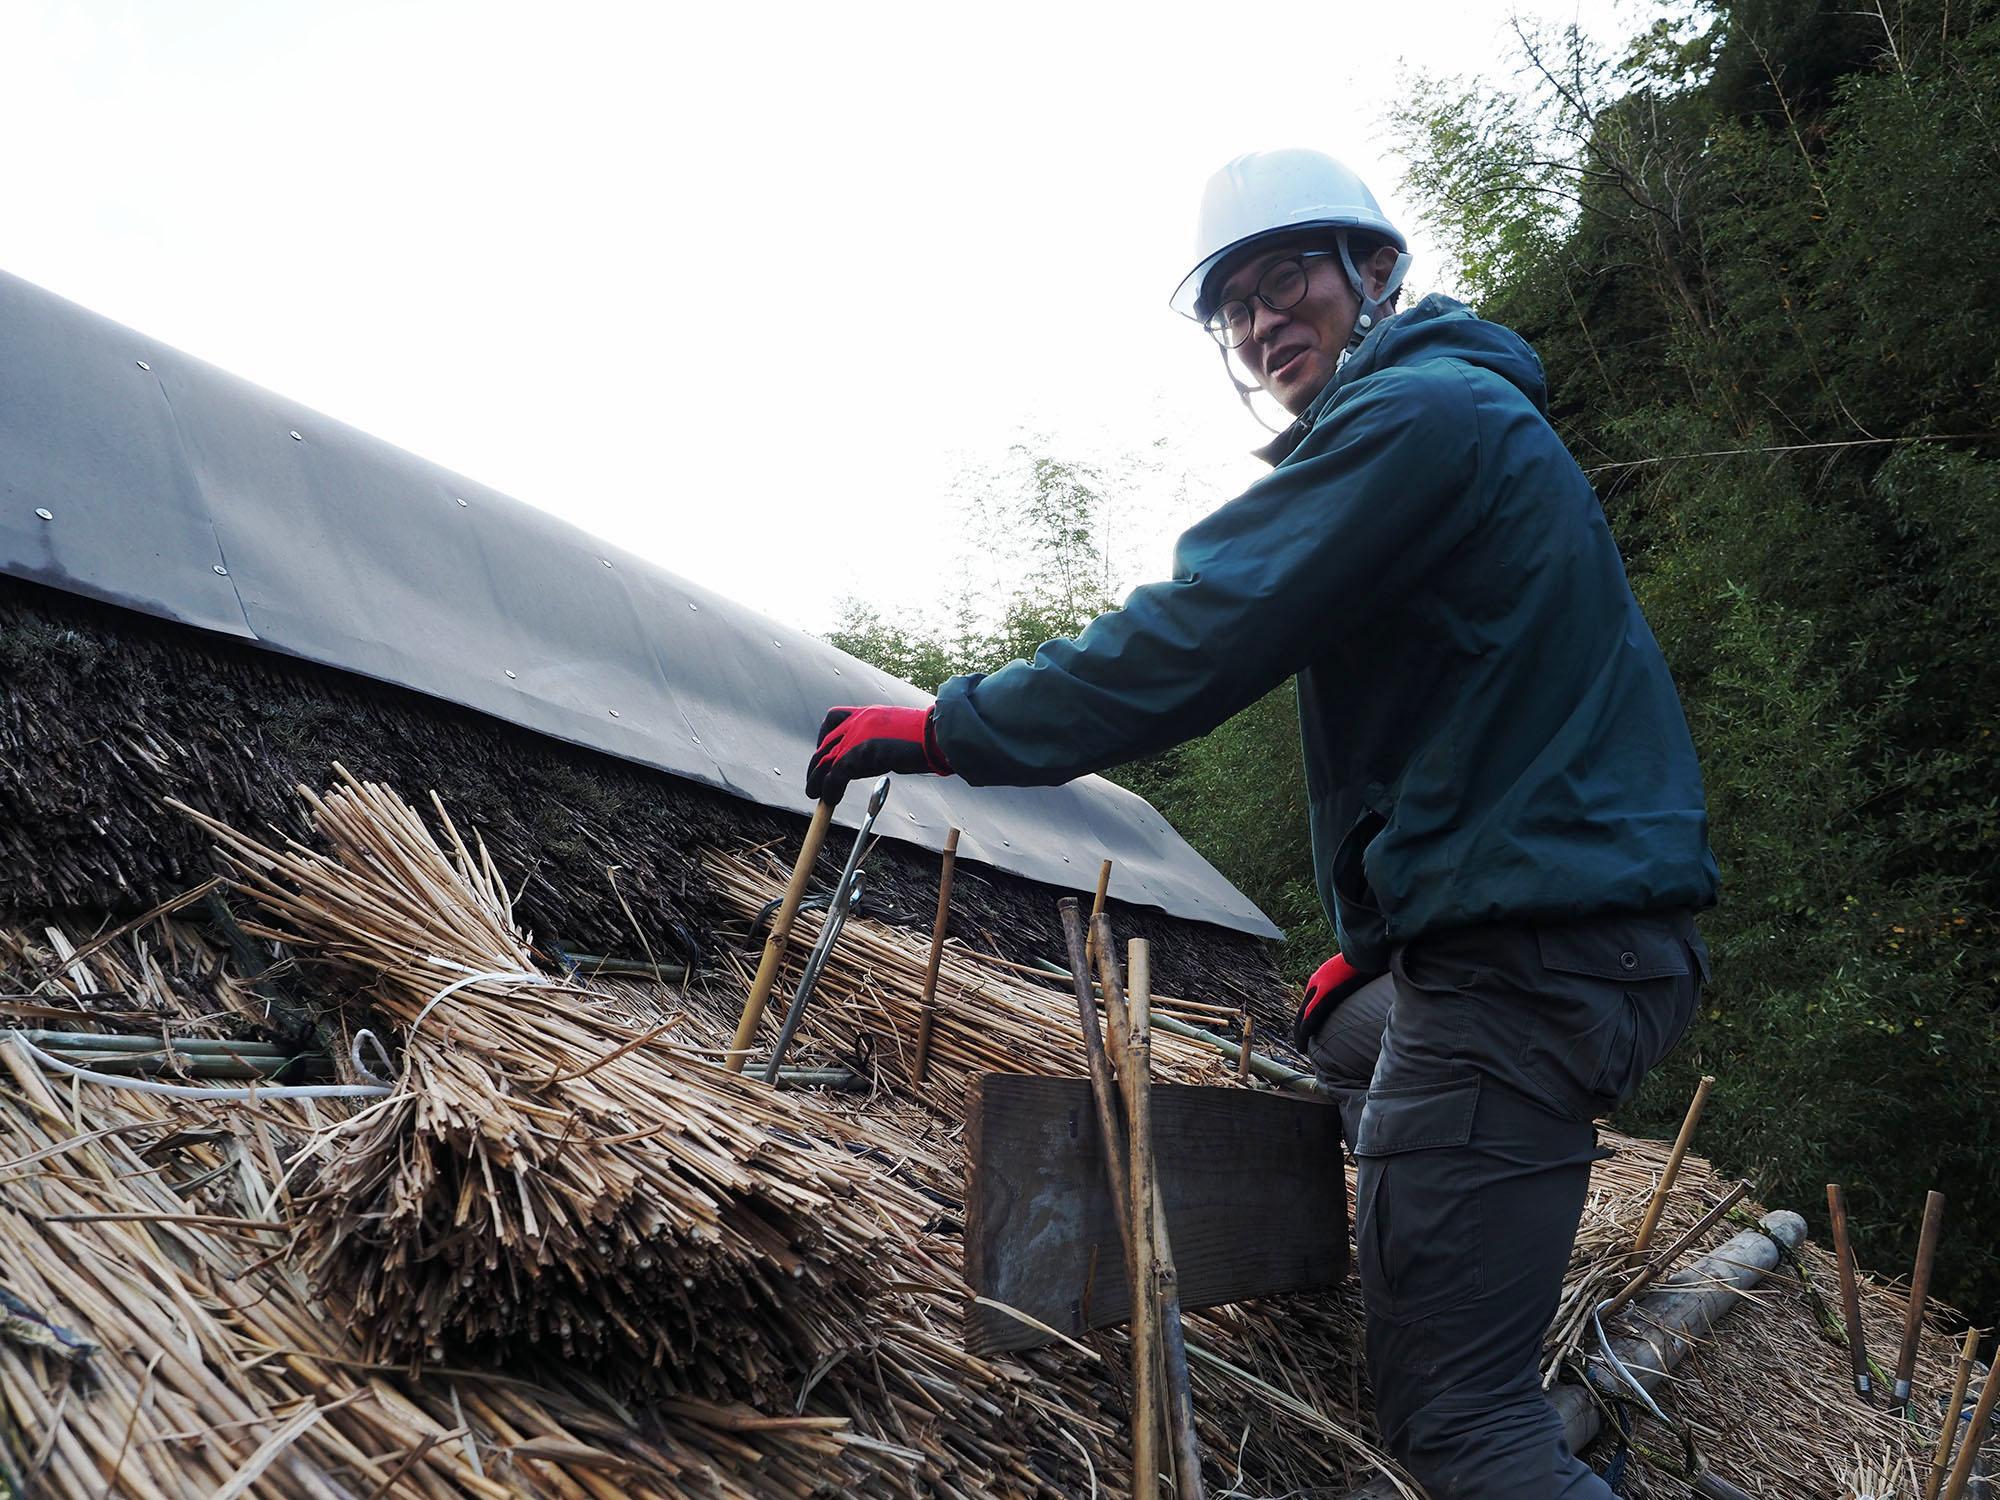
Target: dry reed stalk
[(1103, 1088), (208, 1368)]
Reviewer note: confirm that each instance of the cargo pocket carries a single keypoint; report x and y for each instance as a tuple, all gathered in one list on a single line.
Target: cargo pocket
[(1418, 1230), (1619, 995)]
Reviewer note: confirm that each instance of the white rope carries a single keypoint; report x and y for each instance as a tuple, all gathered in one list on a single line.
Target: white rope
[(193, 1091), (1617, 1364), (388, 1073)]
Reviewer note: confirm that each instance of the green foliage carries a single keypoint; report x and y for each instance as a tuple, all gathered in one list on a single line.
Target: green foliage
[(1779, 244), (1039, 524), (903, 647)]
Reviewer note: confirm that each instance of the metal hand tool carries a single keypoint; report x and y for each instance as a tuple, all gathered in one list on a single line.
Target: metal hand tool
[(845, 893)]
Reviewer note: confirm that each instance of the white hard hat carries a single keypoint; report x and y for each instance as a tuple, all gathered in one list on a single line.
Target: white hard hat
[(1276, 192)]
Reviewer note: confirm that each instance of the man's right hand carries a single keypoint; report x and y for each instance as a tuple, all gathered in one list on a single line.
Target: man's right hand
[(1331, 983), (855, 742)]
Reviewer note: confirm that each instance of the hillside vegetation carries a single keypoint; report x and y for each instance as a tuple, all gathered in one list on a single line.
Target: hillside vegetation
[(1759, 254)]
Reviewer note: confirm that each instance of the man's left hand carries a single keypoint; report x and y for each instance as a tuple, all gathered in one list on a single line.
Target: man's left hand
[(860, 742), (1331, 983)]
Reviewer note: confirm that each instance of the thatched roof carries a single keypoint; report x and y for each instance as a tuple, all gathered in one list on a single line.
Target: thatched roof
[(105, 713)]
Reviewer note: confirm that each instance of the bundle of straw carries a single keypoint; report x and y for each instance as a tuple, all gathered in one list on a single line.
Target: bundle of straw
[(543, 1175)]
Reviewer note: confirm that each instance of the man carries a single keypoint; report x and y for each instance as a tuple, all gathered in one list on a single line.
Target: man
[(1507, 816)]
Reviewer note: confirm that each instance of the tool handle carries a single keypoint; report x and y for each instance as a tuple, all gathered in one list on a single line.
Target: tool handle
[(1920, 1286), (780, 938), (1850, 1291)]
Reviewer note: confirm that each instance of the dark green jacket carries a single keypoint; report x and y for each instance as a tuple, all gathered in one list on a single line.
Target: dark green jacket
[(1490, 731)]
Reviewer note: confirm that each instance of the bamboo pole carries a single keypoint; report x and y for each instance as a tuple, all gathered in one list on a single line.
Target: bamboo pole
[(781, 936), (1103, 1090), (1673, 1167), (1117, 1024), (1243, 1057), (1179, 1393), (1975, 1436), (1948, 1430), (1097, 909), (1920, 1285), (1267, 1068), (1146, 1331), (920, 1066), (1850, 1293)]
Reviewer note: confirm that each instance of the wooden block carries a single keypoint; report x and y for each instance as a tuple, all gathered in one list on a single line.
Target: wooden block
[(1255, 1197)]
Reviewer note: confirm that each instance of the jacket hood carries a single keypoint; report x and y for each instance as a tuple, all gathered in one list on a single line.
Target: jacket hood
[(1435, 328)]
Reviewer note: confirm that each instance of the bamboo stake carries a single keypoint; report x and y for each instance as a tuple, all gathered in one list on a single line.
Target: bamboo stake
[(1975, 1436), (1850, 1295), (1097, 910), (1954, 1408), (1243, 1057), (781, 935), (920, 1067), (1166, 1278), (1110, 1130), (1673, 1167), (1920, 1285), (1117, 1022), (1134, 1077)]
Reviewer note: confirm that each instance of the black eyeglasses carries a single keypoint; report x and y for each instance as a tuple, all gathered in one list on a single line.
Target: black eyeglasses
[(1281, 288)]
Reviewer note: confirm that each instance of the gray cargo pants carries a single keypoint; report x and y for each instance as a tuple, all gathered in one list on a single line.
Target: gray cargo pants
[(1468, 1078)]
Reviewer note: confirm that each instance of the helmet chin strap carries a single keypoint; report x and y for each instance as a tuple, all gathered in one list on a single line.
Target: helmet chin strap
[(1245, 392), (1371, 307)]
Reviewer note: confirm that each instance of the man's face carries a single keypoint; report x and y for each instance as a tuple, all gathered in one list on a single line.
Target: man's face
[(1293, 354)]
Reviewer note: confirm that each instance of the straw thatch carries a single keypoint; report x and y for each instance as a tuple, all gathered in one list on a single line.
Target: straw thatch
[(105, 713), (217, 1364)]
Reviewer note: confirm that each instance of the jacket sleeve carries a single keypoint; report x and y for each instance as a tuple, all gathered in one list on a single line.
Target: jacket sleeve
[(1382, 488)]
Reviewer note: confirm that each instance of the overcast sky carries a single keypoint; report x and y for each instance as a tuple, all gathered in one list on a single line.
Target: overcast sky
[(740, 287)]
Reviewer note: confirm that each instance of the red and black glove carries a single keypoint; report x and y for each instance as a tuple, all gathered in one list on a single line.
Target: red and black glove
[(855, 743), (1332, 982)]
